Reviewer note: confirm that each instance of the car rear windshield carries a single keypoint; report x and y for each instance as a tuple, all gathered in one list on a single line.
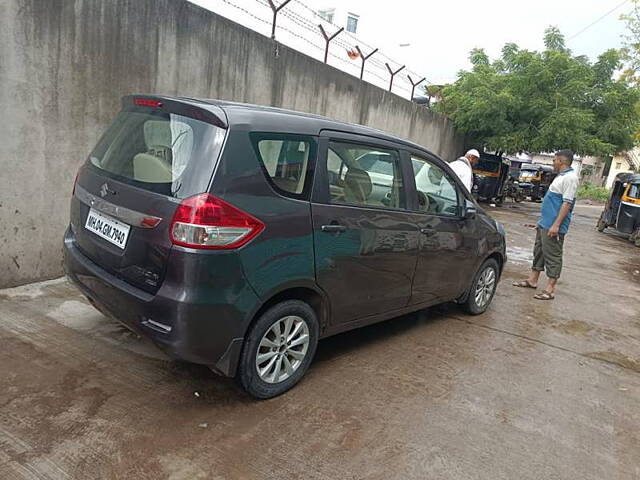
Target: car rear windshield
[(159, 151)]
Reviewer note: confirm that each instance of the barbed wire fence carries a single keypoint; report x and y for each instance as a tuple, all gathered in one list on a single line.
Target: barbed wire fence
[(299, 26)]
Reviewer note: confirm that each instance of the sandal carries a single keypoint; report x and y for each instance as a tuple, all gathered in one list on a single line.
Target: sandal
[(544, 296), (524, 284)]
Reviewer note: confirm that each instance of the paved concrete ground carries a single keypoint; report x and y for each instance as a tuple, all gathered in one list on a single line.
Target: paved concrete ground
[(530, 390)]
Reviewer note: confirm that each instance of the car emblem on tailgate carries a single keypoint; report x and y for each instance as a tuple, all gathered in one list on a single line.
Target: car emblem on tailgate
[(104, 189)]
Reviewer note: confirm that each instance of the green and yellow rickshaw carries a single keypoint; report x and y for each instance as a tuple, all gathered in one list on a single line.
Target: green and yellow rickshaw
[(490, 177), (535, 180), (622, 210)]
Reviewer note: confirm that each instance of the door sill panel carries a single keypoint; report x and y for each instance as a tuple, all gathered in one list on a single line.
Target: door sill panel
[(380, 317)]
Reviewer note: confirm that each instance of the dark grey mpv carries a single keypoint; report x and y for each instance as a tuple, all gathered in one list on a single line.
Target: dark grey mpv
[(237, 236)]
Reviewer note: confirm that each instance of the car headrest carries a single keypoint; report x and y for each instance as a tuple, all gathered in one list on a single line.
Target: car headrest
[(357, 185), (157, 133)]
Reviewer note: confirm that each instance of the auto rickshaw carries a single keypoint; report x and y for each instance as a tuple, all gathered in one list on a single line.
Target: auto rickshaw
[(535, 180), (622, 210), (490, 177)]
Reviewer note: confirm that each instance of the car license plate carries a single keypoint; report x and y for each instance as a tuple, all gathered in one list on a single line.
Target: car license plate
[(108, 228)]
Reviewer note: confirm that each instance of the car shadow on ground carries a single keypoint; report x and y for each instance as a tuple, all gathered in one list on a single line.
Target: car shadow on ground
[(344, 343), (216, 390)]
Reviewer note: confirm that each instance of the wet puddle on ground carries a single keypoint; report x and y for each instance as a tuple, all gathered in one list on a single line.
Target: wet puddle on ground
[(617, 359), (519, 255)]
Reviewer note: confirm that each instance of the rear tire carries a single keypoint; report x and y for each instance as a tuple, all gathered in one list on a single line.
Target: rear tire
[(601, 224), (284, 356), (635, 238), (483, 288)]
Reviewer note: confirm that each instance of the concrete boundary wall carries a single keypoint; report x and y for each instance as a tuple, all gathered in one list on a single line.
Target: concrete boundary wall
[(64, 64)]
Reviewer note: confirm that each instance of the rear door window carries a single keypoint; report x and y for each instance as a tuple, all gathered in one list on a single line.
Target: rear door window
[(159, 151), (287, 160), (364, 175)]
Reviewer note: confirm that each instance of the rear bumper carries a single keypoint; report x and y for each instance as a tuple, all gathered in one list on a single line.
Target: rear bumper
[(190, 317)]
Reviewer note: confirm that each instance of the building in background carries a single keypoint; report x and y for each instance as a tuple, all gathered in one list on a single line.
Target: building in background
[(623, 163), (341, 17)]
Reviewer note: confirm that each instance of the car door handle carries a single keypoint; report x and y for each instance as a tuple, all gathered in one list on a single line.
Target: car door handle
[(333, 228), (428, 231)]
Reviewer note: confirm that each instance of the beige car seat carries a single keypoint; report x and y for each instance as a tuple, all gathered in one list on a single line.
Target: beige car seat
[(154, 165)]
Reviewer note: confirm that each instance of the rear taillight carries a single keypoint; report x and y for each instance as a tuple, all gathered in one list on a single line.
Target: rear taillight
[(205, 221)]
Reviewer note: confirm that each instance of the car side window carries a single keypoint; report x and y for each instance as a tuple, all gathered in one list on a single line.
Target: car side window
[(437, 193), (286, 159), (364, 175)]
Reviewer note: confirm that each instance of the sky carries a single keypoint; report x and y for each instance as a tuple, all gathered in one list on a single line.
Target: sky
[(442, 33)]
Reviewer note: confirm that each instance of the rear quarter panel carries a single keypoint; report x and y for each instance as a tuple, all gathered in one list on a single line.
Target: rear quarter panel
[(281, 256)]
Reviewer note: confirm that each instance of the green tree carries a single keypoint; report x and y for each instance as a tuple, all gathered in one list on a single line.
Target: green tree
[(478, 57), (543, 101), (631, 50), (554, 40)]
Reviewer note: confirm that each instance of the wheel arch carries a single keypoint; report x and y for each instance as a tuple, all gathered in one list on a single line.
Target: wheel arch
[(500, 260), (311, 295), (498, 257)]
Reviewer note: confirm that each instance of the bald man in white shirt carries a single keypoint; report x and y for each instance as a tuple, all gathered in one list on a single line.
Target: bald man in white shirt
[(464, 167)]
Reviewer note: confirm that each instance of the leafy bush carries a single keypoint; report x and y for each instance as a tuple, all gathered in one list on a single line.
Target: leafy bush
[(592, 192)]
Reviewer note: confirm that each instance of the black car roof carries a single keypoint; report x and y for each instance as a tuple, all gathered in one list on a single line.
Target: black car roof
[(290, 120)]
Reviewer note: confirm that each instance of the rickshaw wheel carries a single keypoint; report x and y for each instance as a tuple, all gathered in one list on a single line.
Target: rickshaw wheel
[(601, 224)]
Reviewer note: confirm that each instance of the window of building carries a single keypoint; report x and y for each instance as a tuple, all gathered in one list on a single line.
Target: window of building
[(352, 23), (364, 175), (327, 14), (618, 165)]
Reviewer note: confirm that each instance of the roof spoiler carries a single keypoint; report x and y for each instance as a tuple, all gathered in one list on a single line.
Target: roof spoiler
[(204, 112)]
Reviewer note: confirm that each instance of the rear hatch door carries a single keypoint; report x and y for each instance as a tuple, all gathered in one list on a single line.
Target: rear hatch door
[(157, 152)]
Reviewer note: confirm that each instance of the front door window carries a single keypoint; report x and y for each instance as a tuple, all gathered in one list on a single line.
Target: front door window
[(437, 193)]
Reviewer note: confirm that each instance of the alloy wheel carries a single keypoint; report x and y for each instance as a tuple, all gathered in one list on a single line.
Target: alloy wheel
[(485, 287), (282, 349)]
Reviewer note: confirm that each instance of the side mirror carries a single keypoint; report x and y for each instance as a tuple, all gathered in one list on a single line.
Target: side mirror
[(470, 210)]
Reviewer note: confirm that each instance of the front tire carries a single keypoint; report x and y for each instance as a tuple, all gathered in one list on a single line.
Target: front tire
[(278, 349), (483, 288)]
